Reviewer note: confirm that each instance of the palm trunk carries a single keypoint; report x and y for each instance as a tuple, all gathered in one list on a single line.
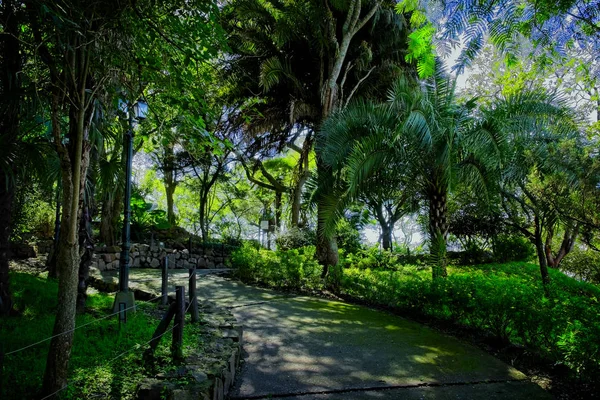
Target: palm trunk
[(326, 249), (438, 230)]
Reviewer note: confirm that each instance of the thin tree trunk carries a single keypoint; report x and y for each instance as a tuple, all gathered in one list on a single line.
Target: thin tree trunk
[(6, 199), (86, 249), (170, 191), (278, 196), (438, 230), (169, 181), (74, 163), (51, 262), (539, 247)]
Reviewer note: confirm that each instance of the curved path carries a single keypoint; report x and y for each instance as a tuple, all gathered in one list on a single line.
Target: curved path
[(305, 348)]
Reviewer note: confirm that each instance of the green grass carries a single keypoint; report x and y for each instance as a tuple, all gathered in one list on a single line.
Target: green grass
[(94, 371)]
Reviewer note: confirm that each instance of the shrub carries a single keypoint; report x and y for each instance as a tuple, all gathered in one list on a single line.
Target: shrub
[(509, 248), (295, 238), (290, 269), (583, 265)]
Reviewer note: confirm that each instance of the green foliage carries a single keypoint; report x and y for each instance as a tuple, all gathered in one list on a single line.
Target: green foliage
[(505, 300), (512, 248), (583, 265), (144, 219), (94, 369), (295, 269), (32, 214), (295, 238), (348, 236), (375, 258)]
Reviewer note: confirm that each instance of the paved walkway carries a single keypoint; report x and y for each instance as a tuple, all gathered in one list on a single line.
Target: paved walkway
[(305, 348)]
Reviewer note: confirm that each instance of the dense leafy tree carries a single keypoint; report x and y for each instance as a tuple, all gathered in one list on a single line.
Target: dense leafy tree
[(312, 59)]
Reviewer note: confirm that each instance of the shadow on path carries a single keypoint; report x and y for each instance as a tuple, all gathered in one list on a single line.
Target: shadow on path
[(306, 348)]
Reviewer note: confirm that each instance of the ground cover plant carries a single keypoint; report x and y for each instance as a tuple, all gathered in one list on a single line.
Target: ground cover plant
[(506, 302), (106, 360)]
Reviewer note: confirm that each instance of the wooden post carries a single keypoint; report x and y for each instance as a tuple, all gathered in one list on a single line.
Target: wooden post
[(165, 278), (158, 333), (192, 295), (177, 343)]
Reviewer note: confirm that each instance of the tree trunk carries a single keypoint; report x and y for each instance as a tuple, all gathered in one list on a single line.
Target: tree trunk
[(51, 261), (86, 250), (6, 199), (326, 249), (74, 163), (278, 196), (386, 237), (170, 191), (169, 181), (438, 230), (539, 247), (570, 235)]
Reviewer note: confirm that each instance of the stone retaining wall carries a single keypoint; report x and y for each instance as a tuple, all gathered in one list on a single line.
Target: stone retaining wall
[(146, 256)]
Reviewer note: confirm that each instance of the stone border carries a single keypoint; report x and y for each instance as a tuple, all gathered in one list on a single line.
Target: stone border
[(106, 258), (209, 372)]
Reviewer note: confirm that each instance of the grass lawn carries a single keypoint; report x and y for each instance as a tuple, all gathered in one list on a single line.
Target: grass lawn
[(105, 360)]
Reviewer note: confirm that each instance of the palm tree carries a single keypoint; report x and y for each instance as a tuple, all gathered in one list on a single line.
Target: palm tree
[(441, 141), (423, 127)]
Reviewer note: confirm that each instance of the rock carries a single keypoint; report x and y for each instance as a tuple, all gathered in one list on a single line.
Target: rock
[(177, 256), (112, 249), (153, 389), (117, 256), (185, 251), (194, 261), (135, 254), (220, 266), (201, 263), (154, 249), (154, 263), (199, 376), (142, 259), (101, 265), (136, 262), (210, 265), (108, 258)]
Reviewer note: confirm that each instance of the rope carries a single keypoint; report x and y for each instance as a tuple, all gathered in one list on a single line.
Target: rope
[(78, 327), (136, 347)]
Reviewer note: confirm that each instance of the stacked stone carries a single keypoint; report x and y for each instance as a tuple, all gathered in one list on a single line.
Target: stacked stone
[(107, 258)]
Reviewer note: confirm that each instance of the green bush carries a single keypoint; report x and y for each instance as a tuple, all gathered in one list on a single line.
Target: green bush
[(295, 238), (509, 248), (583, 265), (506, 301), (294, 269)]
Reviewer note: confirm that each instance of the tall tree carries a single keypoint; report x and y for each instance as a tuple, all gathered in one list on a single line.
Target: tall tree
[(312, 59)]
